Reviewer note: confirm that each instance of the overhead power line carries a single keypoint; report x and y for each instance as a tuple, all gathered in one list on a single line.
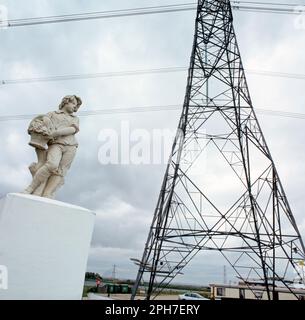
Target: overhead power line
[(94, 75), (102, 14), (100, 111), (265, 9), (137, 72), (236, 5), (277, 74), (129, 110), (267, 3)]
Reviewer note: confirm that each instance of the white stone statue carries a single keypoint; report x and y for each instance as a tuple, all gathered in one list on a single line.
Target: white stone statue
[(53, 137)]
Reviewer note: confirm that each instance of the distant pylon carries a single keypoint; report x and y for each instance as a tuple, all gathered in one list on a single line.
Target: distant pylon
[(224, 275), (248, 221), (113, 272)]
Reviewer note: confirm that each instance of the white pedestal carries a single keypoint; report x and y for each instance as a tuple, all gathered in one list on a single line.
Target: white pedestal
[(44, 244)]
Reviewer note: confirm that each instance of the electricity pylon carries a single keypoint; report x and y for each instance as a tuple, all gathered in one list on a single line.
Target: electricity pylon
[(248, 220)]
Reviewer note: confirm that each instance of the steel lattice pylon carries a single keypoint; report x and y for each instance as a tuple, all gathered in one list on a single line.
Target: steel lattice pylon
[(253, 228)]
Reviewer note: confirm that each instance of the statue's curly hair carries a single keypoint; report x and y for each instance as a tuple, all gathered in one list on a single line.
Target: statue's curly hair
[(67, 99)]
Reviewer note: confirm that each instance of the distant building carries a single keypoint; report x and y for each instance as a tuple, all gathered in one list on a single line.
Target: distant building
[(257, 292)]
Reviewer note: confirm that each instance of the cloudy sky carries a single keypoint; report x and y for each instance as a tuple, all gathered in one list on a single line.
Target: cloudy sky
[(124, 195)]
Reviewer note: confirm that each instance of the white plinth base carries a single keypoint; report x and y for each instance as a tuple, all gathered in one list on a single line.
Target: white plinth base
[(44, 244)]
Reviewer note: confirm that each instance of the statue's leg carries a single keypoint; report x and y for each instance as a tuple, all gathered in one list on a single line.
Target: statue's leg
[(53, 184), (34, 167), (39, 190), (41, 156), (54, 156), (41, 160), (57, 180)]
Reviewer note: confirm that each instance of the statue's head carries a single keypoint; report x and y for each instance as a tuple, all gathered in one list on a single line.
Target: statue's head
[(72, 103)]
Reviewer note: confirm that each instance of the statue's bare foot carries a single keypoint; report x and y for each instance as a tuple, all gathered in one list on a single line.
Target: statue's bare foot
[(28, 190), (49, 196)]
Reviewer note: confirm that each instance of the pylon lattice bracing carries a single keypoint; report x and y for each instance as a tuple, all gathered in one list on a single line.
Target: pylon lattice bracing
[(249, 222)]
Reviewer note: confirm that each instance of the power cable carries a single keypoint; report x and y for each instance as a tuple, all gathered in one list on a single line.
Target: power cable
[(173, 107), (137, 72), (250, 6)]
